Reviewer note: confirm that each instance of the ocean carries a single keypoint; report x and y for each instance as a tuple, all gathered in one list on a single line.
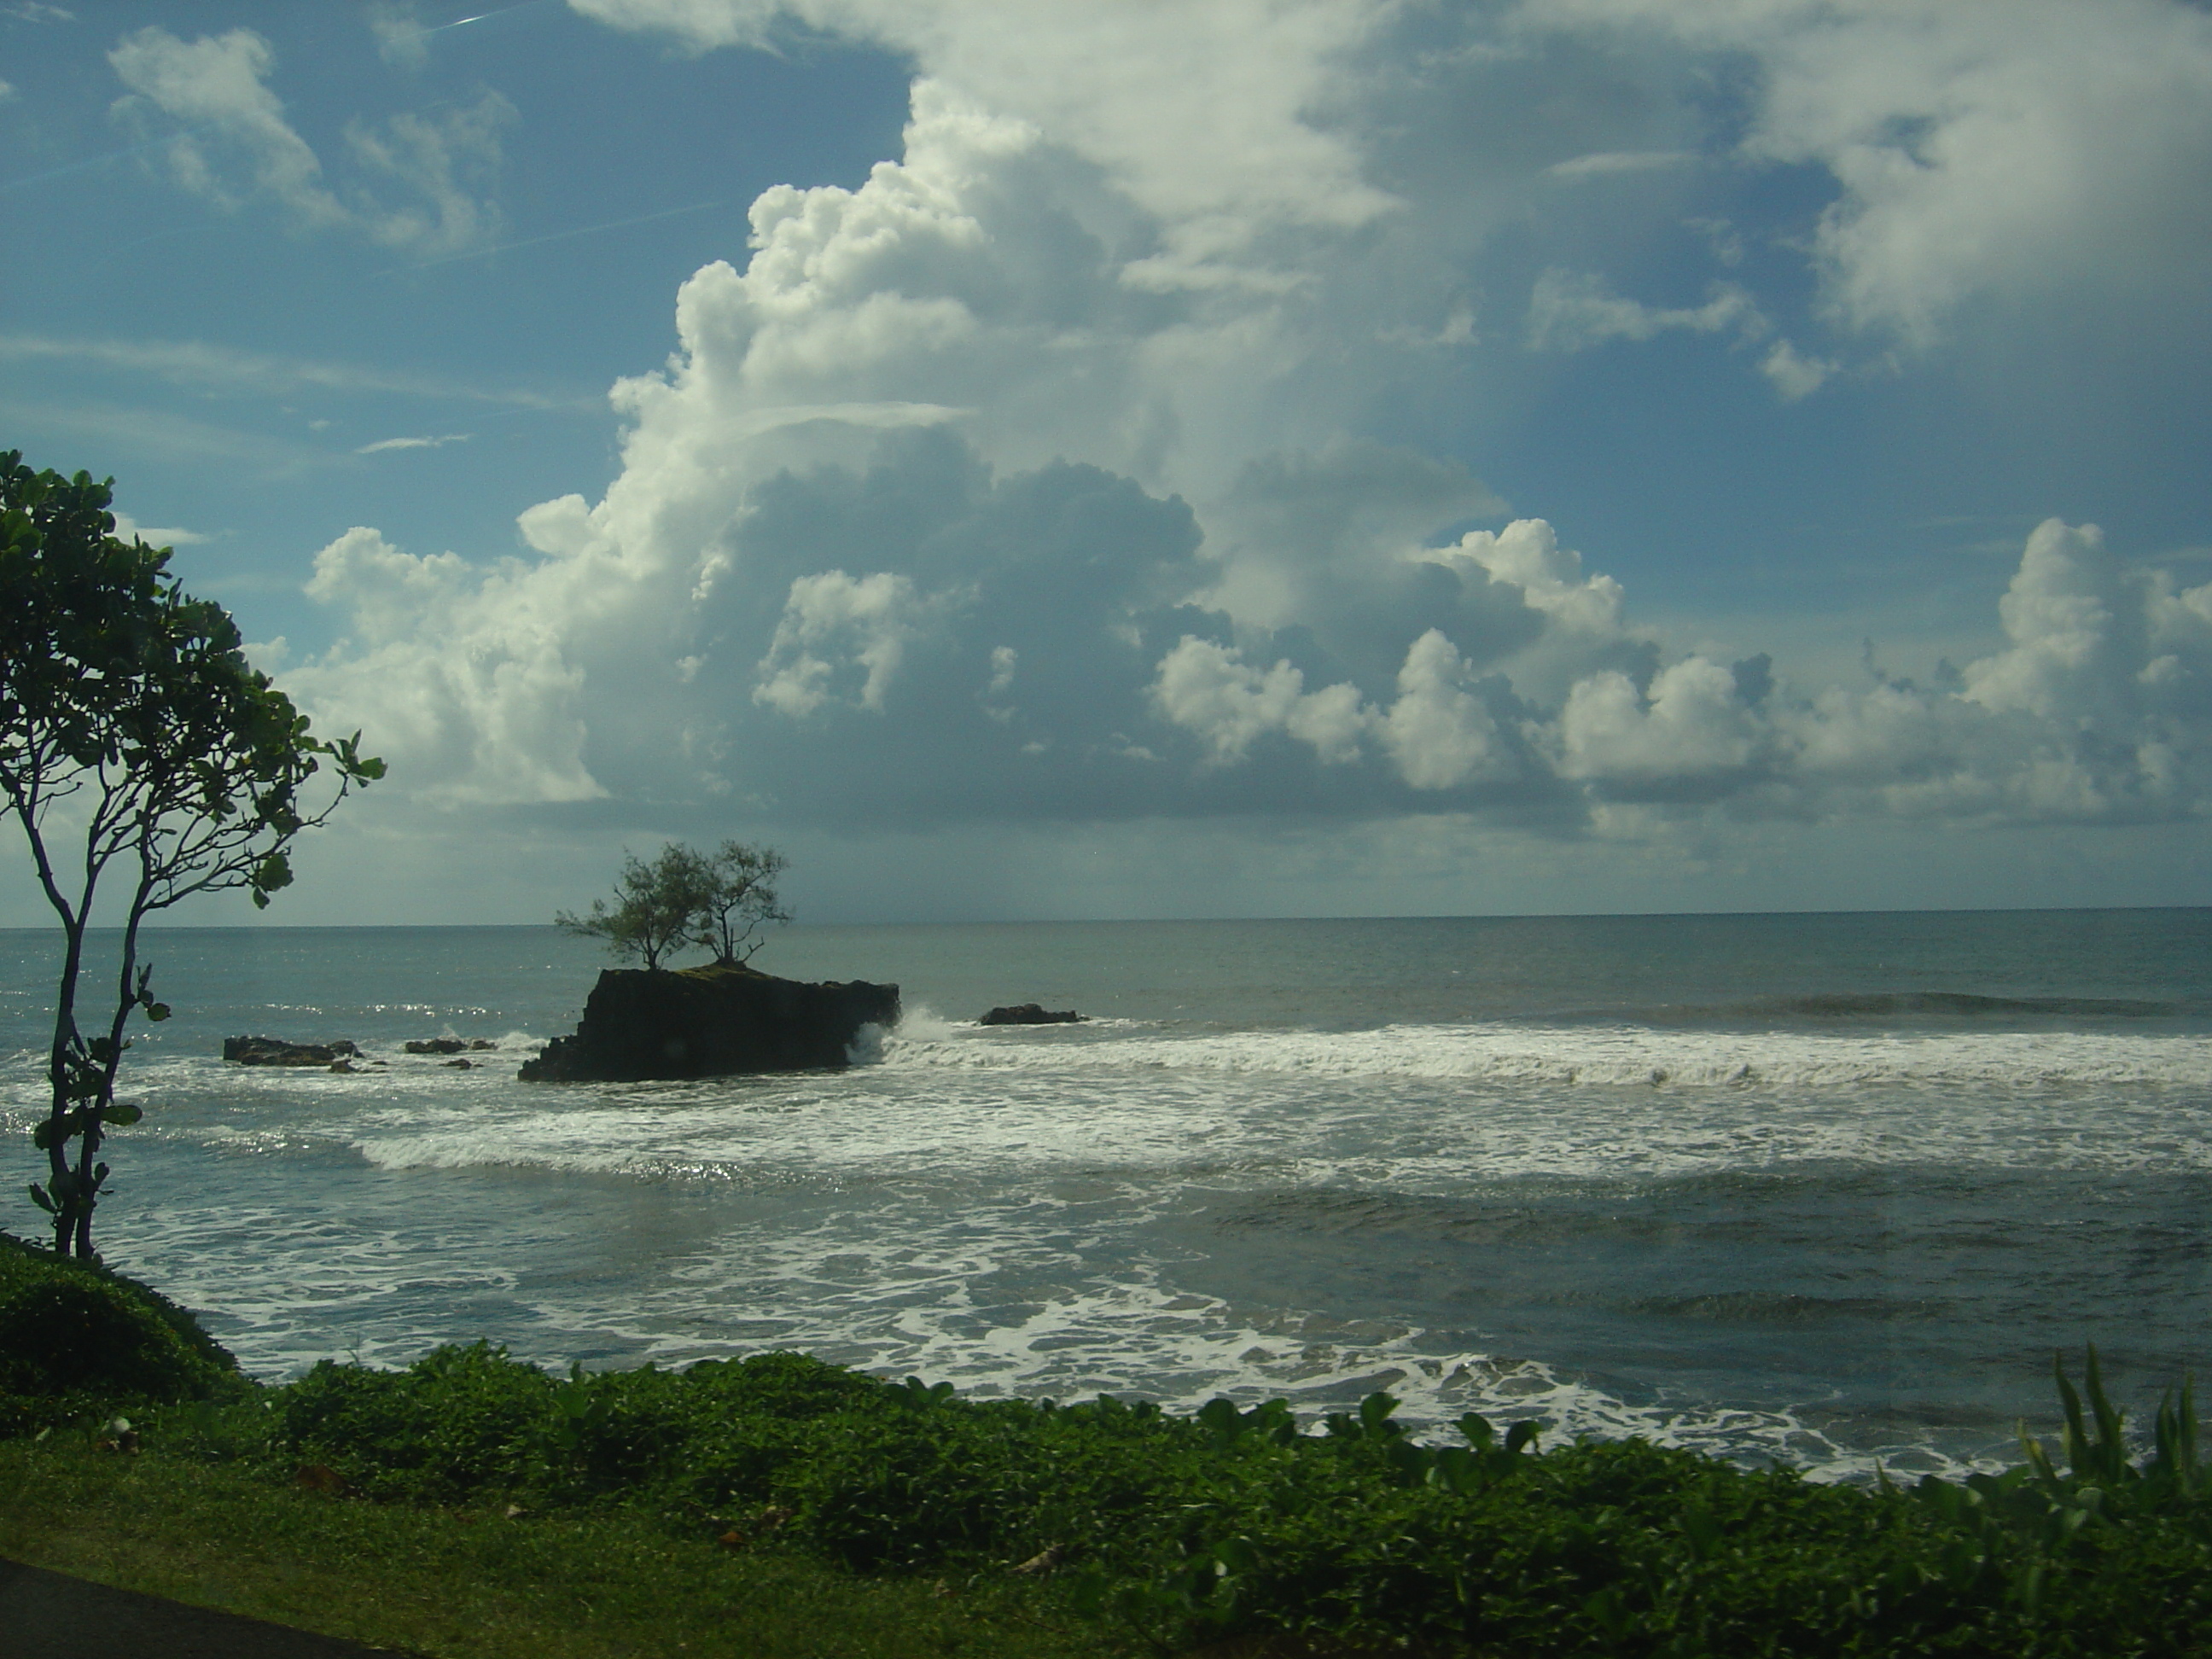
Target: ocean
[(1828, 1190)]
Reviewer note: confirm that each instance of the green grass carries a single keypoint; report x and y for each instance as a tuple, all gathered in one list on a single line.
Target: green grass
[(470, 1583), (472, 1503)]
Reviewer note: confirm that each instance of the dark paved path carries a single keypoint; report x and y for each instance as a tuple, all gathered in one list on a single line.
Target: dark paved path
[(49, 1615)]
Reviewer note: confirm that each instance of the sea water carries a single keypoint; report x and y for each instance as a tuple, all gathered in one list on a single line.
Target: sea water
[(1822, 1189)]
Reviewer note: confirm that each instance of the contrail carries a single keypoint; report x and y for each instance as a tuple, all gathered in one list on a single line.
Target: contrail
[(560, 236), (440, 28)]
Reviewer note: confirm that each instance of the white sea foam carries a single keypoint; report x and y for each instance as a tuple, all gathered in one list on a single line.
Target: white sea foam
[(998, 1310), (1064, 1210), (1602, 1056)]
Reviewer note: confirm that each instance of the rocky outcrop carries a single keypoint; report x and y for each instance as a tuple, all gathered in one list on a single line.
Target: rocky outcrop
[(1029, 1013), (447, 1045), (275, 1051), (711, 1022)]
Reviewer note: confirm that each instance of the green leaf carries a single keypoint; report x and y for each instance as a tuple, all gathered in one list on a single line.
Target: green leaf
[(121, 1113), (157, 1011), (39, 1197)]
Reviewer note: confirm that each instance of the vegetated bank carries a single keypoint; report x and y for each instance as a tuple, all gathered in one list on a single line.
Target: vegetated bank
[(1121, 1524)]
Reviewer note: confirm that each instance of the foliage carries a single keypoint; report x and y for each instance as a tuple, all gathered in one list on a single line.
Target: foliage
[(77, 1339), (131, 723), (656, 910), (1233, 1524), (738, 898), (718, 900), (1180, 1529)]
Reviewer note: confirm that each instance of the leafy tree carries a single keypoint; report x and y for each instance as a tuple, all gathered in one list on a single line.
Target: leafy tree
[(136, 740), (719, 901), (738, 899), (656, 909)]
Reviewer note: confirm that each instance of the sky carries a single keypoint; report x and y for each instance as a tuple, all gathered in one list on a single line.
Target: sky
[(1134, 459)]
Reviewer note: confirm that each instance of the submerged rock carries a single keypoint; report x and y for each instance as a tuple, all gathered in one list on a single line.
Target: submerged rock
[(1029, 1013), (275, 1051), (711, 1022)]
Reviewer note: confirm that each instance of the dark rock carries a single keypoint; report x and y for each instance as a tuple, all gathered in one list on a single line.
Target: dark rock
[(1029, 1013), (481, 1042), (462, 1065), (436, 1046), (710, 1022), (274, 1051)]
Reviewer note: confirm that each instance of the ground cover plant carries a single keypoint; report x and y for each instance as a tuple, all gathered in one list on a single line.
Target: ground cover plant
[(1116, 1524)]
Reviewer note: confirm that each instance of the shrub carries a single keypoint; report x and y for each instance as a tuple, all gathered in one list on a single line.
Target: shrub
[(77, 1339), (1226, 1523)]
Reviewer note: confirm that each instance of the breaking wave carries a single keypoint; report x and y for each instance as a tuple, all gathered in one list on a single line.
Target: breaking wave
[(1613, 1055)]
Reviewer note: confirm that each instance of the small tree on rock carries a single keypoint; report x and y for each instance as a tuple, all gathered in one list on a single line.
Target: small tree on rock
[(719, 901), (135, 738), (739, 899), (656, 909)]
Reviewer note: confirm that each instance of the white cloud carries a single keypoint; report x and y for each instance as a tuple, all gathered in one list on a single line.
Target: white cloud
[(1793, 375), (1116, 82), (1571, 311), (401, 38), (235, 143), (128, 528), (438, 442), (453, 671), (1603, 164), (1438, 731), (193, 362), (1984, 149), (1017, 483), (1691, 725), (867, 622), (1207, 689), (215, 82)]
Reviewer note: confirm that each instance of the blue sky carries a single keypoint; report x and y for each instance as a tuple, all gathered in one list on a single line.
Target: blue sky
[(1361, 456)]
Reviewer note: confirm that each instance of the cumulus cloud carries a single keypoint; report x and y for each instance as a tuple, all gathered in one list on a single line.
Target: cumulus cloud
[(235, 143), (1018, 482), (1114, 82), (1689, 728), (457, 669), (1440, 734), (866, 623), (1207, 689), (919, 639)]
